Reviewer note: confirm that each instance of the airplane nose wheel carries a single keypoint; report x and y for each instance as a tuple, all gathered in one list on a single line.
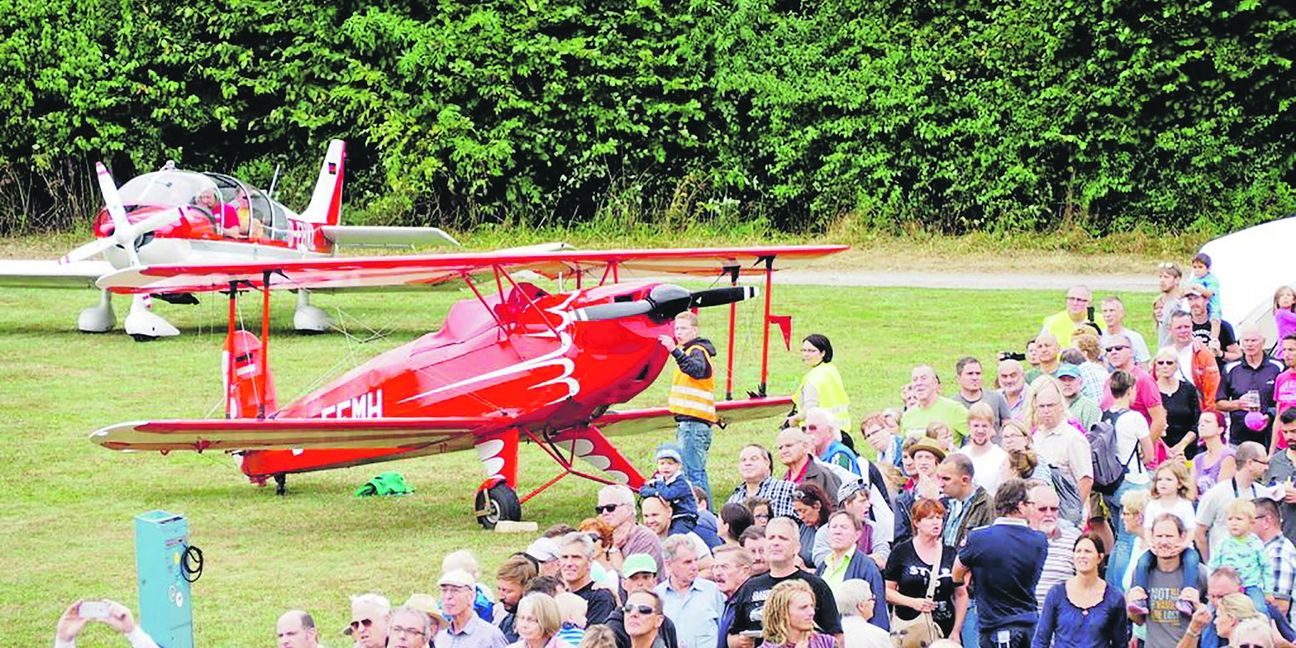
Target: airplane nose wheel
[(499, 502)]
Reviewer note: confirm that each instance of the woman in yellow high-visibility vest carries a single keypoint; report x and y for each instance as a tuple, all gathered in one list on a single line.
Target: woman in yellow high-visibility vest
[(822, 385)]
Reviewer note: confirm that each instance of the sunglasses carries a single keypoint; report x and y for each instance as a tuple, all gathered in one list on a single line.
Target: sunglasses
[(1117, 347), (356, 625), (631, 608), (1165, 363), (606, 508)]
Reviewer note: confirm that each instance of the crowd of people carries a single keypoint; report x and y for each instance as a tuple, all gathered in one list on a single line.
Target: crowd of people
[(1103, 492)]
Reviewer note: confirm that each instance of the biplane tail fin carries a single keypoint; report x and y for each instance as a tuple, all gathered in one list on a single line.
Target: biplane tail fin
[(249, 393)]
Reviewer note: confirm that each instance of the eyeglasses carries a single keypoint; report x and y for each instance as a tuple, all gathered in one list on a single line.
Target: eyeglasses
[(1047, 509), (631, 608), (412, 632), (1117, 347), (1165, 363), (1250, 645), (606, 508), (355, 625)]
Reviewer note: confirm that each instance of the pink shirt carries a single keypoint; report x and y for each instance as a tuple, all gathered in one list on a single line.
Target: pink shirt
[(1285, 320), (1146, 394), (1284, 397)]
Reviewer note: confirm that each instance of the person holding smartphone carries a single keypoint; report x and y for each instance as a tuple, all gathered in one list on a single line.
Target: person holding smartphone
[(110, 613)]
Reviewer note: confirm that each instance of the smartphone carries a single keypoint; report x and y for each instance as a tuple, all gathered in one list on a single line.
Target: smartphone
[(93, 610), (751, 633)]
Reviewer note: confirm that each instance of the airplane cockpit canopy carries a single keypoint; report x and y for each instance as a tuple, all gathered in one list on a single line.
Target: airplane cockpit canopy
[(262, 217)]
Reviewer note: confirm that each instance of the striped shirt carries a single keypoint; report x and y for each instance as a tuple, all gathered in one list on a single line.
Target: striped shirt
[(1057, 565)]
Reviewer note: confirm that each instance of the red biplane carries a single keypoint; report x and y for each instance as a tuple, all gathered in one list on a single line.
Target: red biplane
[(174, 216), (518, 364)]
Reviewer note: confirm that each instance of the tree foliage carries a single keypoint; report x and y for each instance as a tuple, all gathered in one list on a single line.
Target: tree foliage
[(968, 115)]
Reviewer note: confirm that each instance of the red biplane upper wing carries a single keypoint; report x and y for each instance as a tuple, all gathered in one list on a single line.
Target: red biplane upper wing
[(290, 434), (659, 418), (364, 272)]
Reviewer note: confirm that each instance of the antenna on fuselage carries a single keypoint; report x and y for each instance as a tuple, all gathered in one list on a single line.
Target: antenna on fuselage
[(273, 182)]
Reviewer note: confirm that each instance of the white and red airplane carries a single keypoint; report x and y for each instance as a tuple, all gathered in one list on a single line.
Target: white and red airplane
[(173, 216)]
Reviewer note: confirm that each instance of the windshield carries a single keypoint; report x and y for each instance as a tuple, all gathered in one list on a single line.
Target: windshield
[(165, 188)]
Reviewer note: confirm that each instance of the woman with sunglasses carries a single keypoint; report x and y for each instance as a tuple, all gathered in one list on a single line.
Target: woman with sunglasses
[(537, 622), (602, 570), (1084, 611), (1183, 408), (1217, 463)]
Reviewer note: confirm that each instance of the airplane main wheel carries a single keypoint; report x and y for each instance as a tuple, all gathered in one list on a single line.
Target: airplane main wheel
[(499, 502)]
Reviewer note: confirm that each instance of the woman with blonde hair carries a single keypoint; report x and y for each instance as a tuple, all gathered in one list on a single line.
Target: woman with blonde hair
[(1022, 461), (1231, 611), (789, 618), (1173, 491), (1092, 370), (1179, 397), (1134, 513), (537, 622), (598, 636)]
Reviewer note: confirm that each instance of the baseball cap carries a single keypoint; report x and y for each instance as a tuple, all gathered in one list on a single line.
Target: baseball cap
[(543, 550), (1067, 370), (849, 488), (669, 451), (638, 564), (457, 577)]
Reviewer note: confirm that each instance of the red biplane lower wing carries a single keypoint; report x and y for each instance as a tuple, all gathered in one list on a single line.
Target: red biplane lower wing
[(659, 418), (290, 434), (372, 272)]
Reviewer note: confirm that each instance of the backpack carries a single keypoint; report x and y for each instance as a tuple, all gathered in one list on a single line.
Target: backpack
[(1109, 471), (1069, 505)]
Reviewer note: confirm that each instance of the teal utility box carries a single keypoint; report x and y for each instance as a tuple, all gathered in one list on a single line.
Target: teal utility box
[(165, 604)]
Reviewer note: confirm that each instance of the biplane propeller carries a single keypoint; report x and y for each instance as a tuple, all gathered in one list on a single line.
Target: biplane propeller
[(518, 364)]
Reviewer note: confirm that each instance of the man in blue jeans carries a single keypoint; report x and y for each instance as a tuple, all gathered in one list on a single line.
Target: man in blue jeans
[(692, 396), (1005, 560)]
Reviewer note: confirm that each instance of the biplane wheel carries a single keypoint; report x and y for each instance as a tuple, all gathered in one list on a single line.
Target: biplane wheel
[(499, 502)]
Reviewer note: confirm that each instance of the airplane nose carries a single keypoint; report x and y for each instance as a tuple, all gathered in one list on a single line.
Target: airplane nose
[(665, 301)]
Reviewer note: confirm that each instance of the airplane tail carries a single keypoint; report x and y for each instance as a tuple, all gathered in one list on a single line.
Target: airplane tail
[(248, 393), (325, 208)]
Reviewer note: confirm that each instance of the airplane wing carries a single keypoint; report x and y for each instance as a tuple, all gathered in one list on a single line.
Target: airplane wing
[(368, 272), (359, 235), (656, 419), (287, 434), (31, 273)]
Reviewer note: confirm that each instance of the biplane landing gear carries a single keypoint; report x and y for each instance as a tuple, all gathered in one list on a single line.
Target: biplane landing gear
[(310, 319), (281, 484), (499, 502), (99, 318), (143, 325)]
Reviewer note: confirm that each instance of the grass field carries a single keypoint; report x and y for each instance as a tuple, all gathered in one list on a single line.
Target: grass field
[(67, 528)]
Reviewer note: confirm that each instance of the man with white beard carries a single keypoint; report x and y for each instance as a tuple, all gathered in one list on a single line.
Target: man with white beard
[(1043, 517)]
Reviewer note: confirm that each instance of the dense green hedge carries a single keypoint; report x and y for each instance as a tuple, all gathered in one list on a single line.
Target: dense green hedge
[(960, 115)]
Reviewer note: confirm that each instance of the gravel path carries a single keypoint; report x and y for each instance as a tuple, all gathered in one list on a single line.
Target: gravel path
[(974, 281)]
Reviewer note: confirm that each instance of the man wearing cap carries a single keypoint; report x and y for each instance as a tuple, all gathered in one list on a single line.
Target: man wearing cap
[(464, 629), (932, 407), (577, 557), (694, 604), (1063, 323), (794, 452), (543, 553), (616, 506), (638, 574), (296, 629), (1223, 346), (755, 467), (926, 455), (370, 614), (1082, 408), (692, 396), (410, 628), (782, 545)]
